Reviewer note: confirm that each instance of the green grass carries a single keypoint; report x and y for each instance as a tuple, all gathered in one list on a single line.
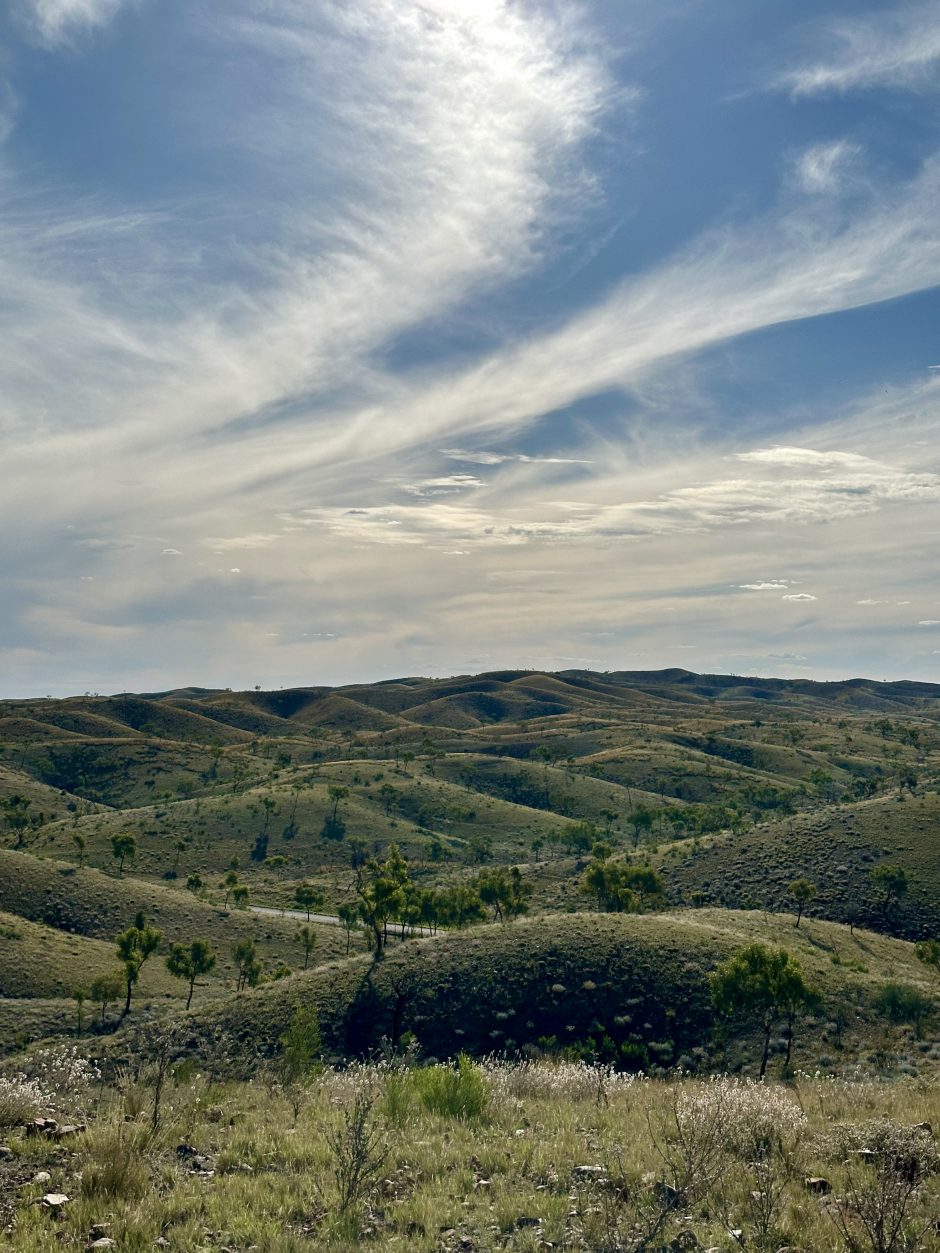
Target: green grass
[(560, 1158)]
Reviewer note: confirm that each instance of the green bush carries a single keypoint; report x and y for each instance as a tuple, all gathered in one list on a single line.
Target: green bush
[(452, 1091), (902, 1003)]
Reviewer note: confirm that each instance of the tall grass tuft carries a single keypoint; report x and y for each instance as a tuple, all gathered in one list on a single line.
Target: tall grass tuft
[(452, 1091)]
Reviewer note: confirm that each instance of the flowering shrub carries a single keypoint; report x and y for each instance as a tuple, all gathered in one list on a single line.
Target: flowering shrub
[(749, 1120), (66, 1076), (577, 1081), (21, 1099)]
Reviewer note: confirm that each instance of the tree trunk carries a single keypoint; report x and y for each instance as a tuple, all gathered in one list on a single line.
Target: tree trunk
[(766, 1052), (127, 1003), (192, 984)]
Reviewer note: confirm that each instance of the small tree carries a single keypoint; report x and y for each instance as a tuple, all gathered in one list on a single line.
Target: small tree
[(240, 895), (229, 883), (79, 841), (249, 966), (803, 892), (336, 794), (891, 880), (349, 917), (134, 946), (123, 846), (105, 990), (641, 821), (15, 811), (79, 996), (308, 897), (765, 985), (308, 938), (190, 962)]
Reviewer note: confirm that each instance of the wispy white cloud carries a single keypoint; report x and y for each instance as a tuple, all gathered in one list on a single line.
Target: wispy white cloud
[(56, 20), (896, 46), (801, 596), (822, 168)]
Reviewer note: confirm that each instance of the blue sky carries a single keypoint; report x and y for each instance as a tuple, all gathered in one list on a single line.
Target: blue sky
[(346, 340)]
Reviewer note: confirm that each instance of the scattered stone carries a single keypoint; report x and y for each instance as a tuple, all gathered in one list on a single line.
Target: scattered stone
[(526, 1220), (5, 1152), (42, 1176), (815, 1183), (162, 1242), (589, 1172), (98, 1230), (923, 1126), (104, 1243), (70, 1129), (42, 1127), (667, 1195), (54, 1200)]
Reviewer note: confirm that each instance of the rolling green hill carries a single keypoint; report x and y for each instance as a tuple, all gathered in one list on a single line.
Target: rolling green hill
[(635, 986)]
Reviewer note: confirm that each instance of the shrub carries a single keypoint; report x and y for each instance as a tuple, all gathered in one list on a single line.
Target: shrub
[(452, 1091), (902, 1003), (886, 1169), (21, 1099)]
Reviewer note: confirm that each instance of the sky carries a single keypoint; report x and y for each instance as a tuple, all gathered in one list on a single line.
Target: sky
[(350, 339)]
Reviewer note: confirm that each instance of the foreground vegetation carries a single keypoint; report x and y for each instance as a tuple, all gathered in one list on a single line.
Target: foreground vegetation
[(525, 1156)]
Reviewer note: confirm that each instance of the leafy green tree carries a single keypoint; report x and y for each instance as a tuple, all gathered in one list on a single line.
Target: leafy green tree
[(105, 990), (189, 962), (460, 906), (301, 1046), (336, 794), (79, 841), (506, 892), (308, 938), (928, 951), (123, 845), (765, 986), (641, 819), (480, 848), (891, 881), (381, 892), (134, 946), (619, 887), (194, 883), (578, 837), (804, 893), (240, 895), (248, 965), (389, 796), (15, 810), (349, 917), (308, 898), (230, 882)]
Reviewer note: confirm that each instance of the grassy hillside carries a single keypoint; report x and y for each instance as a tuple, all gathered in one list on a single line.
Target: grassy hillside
[(45, 963), (836, 848), (87, 902), (633, 987)]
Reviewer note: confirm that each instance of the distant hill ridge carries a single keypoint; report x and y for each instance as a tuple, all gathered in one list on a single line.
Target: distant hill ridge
[(458, 702)]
